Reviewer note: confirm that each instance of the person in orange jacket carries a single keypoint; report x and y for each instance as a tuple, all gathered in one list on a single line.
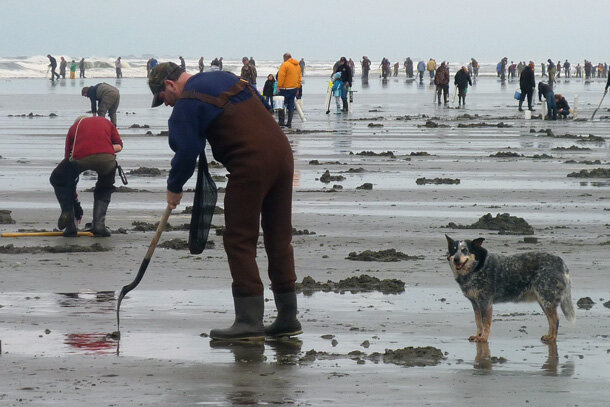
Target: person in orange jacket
[(288, 82)]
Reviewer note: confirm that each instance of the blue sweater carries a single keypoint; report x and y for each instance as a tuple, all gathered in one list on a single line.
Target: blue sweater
[(190, 120)]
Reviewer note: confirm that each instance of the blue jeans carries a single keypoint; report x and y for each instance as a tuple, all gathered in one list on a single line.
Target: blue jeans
[(344, 92), (289, 95), (550, 105)]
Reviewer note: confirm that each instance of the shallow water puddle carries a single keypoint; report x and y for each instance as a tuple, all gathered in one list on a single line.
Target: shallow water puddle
[(166, 325)]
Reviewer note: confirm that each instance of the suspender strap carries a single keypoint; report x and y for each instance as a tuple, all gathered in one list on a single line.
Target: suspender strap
[(219, 101)]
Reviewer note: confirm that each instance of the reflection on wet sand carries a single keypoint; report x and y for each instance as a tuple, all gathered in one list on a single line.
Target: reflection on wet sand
[(92, 343), (251, 388), (484, 361), (244, 352), (87, 300)]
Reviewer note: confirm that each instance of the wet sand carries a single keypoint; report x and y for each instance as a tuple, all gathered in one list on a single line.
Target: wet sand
[(56, 309)]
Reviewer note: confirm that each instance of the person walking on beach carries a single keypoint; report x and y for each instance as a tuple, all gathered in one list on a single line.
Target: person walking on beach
[(475, 67), (547, 91), (91, 144), (182, 63), (73, 67), (346, 79), (409, 67), (252, 61), (366, 67), (543, 68), (527, 83), (104, 99), (302, 65), (201, 65), (551, 71), (396, 67), (566, 68), (220, 63), (441, 80), (53, 66), (248, 71), (462, 80), (81, 66), (288, 82), (117, 66), (351, 65), (431, 67), (421, 68), (62, 68), (269, 90), (227, 112)]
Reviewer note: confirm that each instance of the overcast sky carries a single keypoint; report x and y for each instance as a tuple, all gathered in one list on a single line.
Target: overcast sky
[(313, 29)]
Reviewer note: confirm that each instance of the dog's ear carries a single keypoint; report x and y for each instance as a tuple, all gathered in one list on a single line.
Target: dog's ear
[(478, 242), (450, 241)]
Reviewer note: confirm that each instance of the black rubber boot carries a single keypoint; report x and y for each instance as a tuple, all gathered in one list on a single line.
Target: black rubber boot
[(520, 105), (289, 122), (280, 117), (98, 226), (69, 222), (345, 106), (286, 322), (248, 324)]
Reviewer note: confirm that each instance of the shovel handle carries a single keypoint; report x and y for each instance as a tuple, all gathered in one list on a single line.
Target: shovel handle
[(160, 229), (144, 265)]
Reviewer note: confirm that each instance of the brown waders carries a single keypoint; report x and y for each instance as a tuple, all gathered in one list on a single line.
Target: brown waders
[(257, 154)]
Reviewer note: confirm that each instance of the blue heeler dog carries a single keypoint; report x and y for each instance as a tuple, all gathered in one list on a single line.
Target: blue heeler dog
[(487, 278)]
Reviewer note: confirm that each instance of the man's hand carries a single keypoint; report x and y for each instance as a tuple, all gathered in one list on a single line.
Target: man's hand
[(173, 199)]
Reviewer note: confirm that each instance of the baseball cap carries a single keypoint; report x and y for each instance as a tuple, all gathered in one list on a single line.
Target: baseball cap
[(158, 75)]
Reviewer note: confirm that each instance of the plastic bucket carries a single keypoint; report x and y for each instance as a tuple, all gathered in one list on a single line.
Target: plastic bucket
[(518, 94), (278, 102), (528, 114)]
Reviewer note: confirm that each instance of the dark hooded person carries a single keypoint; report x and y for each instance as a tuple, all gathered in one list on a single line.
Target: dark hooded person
[(527, 83), (226, 112), (462, 80)]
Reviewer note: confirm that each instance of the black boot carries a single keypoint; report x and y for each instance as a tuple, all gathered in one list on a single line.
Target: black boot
[(67, 222), (248, 325), (345, 105), (289, 122), (98, 226), (280, 117), (286, 323), (520, 105)]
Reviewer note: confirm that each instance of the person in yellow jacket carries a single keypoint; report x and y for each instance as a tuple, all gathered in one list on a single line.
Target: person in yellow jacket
[(289, 82), (431, 67)]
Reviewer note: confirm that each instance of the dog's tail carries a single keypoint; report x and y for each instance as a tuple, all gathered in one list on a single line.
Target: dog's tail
[(566, 300)]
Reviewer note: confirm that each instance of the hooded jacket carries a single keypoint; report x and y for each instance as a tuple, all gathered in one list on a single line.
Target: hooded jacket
[(527, 79), (442, 75), (462, 79), (289, 76)]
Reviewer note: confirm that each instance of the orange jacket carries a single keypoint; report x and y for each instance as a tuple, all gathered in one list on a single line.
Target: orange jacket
[(289, 75)]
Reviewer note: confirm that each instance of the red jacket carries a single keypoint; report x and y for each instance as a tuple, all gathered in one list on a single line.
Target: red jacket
[(96, 135)]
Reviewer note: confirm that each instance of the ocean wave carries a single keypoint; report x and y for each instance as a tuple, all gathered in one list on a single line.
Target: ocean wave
[(103, 67)]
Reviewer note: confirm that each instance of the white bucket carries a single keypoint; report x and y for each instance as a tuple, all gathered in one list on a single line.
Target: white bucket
[(528, 114)]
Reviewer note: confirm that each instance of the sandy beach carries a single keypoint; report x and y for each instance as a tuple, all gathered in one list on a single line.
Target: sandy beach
[(56, 309)]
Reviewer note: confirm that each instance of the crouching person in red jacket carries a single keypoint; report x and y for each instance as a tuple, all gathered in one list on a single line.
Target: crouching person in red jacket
[(91, 144)]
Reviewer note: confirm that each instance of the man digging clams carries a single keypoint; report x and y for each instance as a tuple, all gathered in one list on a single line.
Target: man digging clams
[(91, 144), (227, 112)]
